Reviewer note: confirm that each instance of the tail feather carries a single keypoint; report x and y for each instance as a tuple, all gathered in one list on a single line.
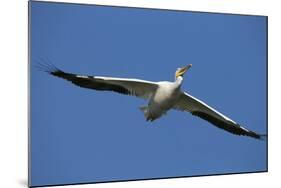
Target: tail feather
[(144, 109)]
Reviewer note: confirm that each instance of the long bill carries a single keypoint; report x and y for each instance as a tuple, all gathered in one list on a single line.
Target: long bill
[(183, 70)]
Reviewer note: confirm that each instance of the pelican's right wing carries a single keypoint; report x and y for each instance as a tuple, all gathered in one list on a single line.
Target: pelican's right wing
[(140, 88), (198, 108)]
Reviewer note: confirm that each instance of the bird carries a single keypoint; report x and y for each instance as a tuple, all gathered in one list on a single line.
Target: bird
[(162, 96)]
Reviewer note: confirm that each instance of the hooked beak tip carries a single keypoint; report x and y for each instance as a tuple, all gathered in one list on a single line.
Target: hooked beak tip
[(188, 67)]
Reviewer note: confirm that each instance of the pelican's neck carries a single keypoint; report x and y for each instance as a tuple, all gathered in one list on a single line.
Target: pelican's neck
[(179, 80)]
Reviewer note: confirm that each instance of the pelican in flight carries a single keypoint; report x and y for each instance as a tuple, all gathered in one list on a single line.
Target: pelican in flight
[(162, 96)]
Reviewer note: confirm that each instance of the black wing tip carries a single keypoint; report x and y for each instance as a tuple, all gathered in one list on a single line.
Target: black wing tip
[(234, 129), (45, 65), (262, 137), (253, 134)]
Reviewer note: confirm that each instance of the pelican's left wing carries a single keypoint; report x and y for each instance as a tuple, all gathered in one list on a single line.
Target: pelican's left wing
[(140, 88), (198, 108)]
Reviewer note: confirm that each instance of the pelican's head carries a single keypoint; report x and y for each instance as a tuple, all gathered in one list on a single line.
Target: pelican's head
[(181, 71)]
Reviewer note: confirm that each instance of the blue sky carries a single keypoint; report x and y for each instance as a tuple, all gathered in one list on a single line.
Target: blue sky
[(80, 135)]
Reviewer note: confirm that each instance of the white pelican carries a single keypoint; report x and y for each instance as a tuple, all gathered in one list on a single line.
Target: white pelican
[(162, 96)]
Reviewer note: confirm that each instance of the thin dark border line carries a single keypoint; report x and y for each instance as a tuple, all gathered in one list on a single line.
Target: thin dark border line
[(162, 178), (266, 72), (164, 9), (129, 180), (29, 93)]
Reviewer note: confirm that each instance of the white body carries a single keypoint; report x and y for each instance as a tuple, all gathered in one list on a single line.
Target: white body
[(162, 100)]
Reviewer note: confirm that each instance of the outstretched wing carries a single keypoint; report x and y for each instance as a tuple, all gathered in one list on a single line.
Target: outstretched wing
[(198, 108), (139, 88)]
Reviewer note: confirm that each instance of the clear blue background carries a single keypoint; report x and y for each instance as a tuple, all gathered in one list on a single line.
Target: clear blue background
[(81, 135)]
